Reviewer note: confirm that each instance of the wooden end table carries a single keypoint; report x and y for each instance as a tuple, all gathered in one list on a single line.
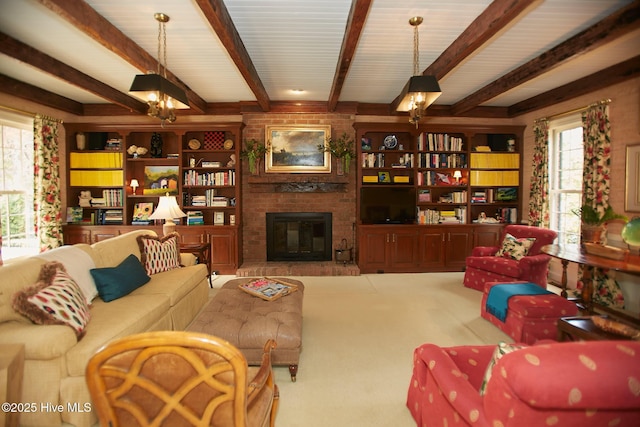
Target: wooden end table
[(11, 371), (583, 328), (202, 251)]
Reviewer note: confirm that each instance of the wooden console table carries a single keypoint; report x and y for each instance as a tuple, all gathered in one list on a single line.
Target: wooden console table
[(574, 253)]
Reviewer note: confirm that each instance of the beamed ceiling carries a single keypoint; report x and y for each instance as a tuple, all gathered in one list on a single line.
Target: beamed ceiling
[(498, 58)]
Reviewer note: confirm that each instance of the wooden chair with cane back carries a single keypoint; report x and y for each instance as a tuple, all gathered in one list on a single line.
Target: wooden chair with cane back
[(178, 378)]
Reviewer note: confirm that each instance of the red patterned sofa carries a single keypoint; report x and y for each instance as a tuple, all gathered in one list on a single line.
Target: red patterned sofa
[(484, 266), (529, 318), (595, 383)]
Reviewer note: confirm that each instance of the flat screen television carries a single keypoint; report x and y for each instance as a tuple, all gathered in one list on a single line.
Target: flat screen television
[(387, 205)]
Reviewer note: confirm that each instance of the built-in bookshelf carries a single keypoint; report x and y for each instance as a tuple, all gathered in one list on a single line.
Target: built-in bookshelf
[(440, 186)]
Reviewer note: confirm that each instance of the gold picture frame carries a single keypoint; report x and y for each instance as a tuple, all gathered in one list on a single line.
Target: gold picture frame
[(632, 188), (294, 149)]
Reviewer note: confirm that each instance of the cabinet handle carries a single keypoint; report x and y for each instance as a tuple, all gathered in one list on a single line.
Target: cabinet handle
[(387, 237)]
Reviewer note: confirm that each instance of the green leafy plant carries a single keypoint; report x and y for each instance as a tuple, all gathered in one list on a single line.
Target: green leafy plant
[(342, 148), (253, 150), (590, 216)]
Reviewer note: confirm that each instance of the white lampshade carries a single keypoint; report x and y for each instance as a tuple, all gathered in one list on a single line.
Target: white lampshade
[(457, 174), (168, 209), (134, 184)]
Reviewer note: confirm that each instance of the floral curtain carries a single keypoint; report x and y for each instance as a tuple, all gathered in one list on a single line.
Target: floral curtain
[(539, 187), (595, 190), (47, 203)]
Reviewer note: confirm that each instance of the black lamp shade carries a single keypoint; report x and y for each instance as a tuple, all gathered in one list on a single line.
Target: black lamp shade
[(145, 84), (427, 86)]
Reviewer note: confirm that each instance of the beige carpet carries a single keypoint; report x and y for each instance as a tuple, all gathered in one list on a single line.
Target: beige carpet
[(358, 338)]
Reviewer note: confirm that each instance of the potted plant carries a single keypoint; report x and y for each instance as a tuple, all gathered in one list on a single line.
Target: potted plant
[(253, 151), (594, 223), (342, 149)]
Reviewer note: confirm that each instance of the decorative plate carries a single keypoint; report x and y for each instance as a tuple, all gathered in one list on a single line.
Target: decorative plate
[(390, 142), (194, 144), (228, 144)]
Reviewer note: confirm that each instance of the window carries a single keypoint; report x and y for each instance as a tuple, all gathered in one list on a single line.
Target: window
[(565, 177), (16, 186)]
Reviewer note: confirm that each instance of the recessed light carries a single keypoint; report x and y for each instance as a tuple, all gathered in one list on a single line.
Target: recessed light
[(297, 91)]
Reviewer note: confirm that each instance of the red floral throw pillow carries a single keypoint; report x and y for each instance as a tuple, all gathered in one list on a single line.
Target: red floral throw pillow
[(159, 254), (55, 299)]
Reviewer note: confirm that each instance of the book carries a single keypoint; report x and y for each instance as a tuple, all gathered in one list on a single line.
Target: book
[(74, 215), (141, 213), (268, 289)]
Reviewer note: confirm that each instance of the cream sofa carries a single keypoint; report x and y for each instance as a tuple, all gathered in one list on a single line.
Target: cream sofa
[(55, 360)]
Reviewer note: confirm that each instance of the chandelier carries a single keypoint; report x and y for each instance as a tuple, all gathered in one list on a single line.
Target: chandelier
[(161, 95), (420, 91)]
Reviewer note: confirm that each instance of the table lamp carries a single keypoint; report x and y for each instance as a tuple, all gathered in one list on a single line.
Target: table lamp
[(457, 175), (134, 184), (167, 209)]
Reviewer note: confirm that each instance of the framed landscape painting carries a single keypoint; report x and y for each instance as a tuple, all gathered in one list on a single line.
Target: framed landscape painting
[(160, 180), (294, 149)]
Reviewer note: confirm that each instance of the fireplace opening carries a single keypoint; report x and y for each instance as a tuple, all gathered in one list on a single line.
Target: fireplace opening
[(299, 236)]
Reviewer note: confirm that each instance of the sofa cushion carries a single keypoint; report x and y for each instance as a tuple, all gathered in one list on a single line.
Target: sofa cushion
[(55, 299), (77, 262), (501, 349), (159, 254), (174, 284), (498, 265), (116, 282), (124, 316), (40, 343), (111, 252), (515, 248)]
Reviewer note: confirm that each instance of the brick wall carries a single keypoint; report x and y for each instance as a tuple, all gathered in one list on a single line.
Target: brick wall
[(258, 198)]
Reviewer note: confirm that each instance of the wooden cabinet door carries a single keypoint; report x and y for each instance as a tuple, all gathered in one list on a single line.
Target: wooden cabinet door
[(432, 248), (73, 234), (404, 254), (224, 258), (372, 254), (458, 246), (487, 235)]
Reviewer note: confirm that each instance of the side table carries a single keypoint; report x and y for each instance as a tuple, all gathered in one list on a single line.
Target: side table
[(11, 371), (583, 328), (203, 252)]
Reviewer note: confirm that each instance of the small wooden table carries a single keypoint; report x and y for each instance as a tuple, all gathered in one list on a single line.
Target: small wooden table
[(11, 371), (575, 253), (203, 251), (582, 327)]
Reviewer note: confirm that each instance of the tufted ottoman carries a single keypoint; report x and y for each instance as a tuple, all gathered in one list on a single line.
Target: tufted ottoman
[(248, 322), (529, 317)]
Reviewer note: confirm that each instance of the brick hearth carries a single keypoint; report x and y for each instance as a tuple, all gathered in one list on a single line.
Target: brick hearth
[(325, 268)]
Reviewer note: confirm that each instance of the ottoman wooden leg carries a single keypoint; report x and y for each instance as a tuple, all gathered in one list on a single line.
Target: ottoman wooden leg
[(293, 370)]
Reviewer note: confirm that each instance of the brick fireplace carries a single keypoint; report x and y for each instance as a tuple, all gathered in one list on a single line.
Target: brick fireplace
[(295, 192)]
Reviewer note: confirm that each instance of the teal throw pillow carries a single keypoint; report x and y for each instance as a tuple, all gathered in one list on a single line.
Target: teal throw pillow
[(116, 282)]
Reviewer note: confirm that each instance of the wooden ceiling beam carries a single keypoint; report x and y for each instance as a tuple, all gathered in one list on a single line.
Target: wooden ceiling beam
[(33, 57), (616, 25), (218, 17), (355, 24), (615, 74), (86, 19), (24, 90), (500, 14)]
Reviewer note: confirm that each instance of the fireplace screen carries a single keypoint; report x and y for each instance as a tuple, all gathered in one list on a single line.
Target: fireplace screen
[(299, 236)]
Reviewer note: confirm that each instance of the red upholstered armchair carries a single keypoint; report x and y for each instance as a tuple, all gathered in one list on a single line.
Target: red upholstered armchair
[(595, 383), (483, 266)]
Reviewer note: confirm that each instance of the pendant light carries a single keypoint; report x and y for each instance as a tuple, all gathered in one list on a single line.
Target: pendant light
[(420, 91), (161, 95)]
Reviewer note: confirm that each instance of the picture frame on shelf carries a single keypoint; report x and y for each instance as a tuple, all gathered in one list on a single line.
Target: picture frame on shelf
[(218, 218), (294, 149), (141, 213), (384, 177), (632, 187), (160, 180)]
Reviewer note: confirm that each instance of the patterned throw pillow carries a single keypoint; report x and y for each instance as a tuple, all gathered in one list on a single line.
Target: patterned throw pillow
[(502, 349), (514, 248), (159, 254), (55, 299)]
